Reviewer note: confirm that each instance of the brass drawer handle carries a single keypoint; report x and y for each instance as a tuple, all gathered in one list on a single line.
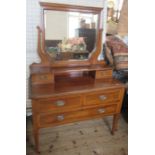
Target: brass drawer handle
[(102, 97), (60, 117), (60, 103), (102, 110)]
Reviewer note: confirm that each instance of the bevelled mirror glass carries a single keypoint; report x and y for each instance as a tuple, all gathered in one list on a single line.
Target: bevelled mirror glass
[(70, 35)]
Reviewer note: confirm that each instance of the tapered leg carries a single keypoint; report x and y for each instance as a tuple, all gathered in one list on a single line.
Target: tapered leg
[(36, 139), (35, 126), (115, 123)]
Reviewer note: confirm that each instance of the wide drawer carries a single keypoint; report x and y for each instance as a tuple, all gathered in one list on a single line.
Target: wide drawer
[(103, 97), (59, 105), (61, 118)]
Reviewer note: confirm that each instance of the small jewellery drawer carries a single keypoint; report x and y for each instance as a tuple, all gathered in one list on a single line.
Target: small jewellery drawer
[(102, 97), (104, 74), (61, 118), (42, 78), (59, 105)]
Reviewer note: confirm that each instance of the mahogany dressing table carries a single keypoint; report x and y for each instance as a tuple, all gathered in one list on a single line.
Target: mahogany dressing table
[(65, 90)]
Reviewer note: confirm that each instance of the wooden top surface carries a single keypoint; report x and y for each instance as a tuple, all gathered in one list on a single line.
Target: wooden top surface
[(70, 86)]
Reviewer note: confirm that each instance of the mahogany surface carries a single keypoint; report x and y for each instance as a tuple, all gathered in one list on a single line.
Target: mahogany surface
[(69, 91), (72, 86), (40, 68)]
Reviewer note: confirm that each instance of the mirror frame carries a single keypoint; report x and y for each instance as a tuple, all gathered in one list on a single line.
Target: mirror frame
[(93, 57)]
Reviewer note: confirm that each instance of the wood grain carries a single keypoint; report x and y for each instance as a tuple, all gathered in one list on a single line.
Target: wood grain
[(102, 97), (59, 104), (70, 91), (43, 78), (100, 74), (52, 119), (72, 86)]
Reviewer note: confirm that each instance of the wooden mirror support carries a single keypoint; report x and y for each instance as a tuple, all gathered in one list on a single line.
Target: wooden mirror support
[(69, 91)]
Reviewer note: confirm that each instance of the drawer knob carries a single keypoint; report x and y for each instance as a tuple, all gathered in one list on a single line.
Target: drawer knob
[(102, 97), (102, 110), (60, 117), (60, 103)]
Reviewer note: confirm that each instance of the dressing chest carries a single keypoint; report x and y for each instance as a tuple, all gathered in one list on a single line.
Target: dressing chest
[(65, 91)]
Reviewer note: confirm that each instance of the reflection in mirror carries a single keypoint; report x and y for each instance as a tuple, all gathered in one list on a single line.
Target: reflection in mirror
[(69, 35), (114, 8)]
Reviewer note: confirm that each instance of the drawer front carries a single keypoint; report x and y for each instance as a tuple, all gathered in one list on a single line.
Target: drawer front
[(62, 118), (102, 97), (103, 74), (42, 78), (59, 105)]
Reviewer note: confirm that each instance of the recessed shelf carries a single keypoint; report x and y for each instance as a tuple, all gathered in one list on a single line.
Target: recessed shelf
[(81, 68)]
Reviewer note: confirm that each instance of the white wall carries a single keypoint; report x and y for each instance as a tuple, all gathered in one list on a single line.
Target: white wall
[(33, 19)]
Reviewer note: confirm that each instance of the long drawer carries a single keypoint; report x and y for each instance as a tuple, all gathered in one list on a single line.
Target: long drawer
[(62, 118), (102, 97), (57, 105)]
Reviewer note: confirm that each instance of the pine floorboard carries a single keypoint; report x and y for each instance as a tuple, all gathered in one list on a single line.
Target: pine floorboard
[(91, 137)]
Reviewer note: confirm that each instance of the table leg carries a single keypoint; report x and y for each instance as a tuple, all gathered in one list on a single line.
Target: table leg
[(115, 123), (36, 139)]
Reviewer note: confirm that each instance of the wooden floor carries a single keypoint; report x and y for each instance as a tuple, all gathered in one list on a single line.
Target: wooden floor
[(83, 138)]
